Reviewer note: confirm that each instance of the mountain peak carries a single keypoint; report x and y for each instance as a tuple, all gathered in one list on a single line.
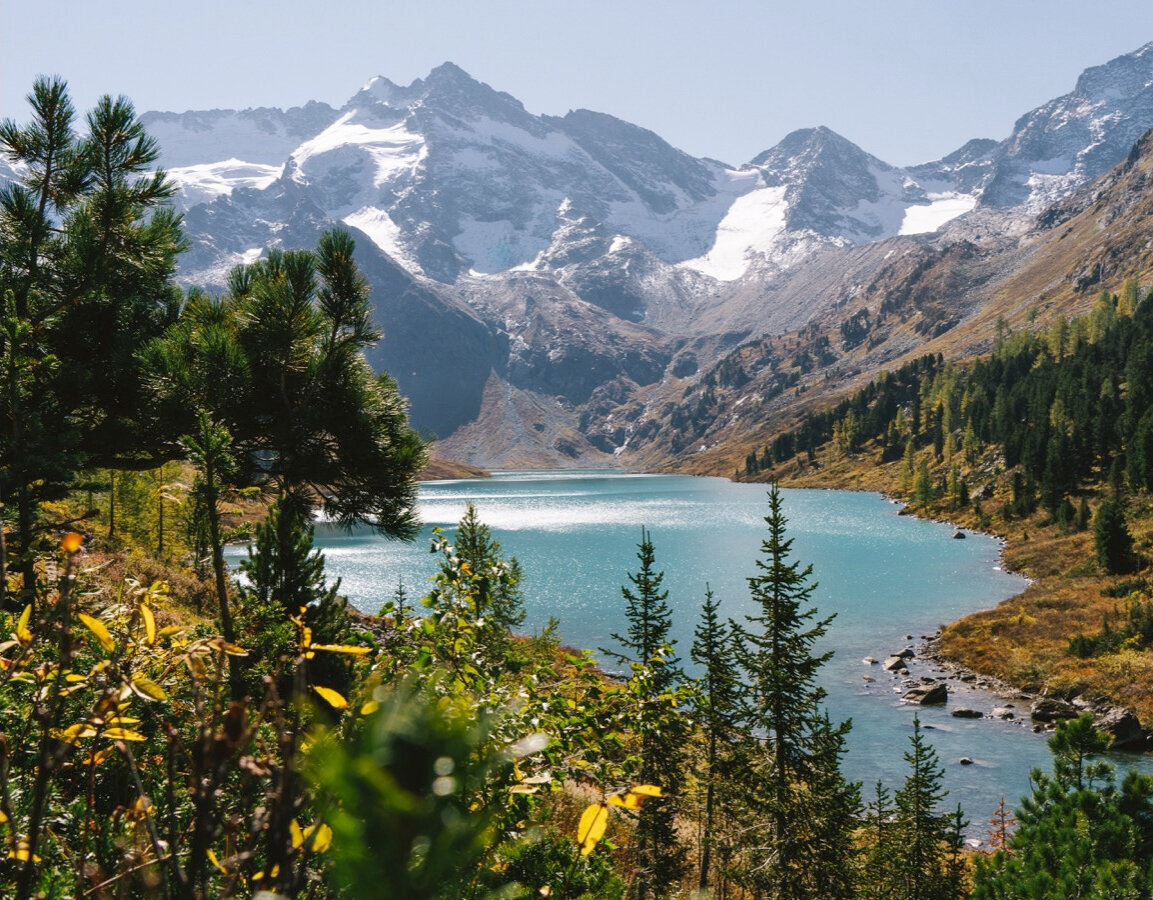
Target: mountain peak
[(814, 146)]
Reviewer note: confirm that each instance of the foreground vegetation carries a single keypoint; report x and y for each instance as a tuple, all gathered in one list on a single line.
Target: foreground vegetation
[(168, 730)]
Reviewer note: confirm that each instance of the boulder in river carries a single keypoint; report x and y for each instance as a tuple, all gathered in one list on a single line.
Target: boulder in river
[(958, 535), (1003, 712), (1050, 709), (966, 760), (894, 664), (928, 695), (1123, 728), (964, 712)]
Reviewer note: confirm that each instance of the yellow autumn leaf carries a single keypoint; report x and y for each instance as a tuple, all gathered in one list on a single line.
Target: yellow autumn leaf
[(342, 648), (323, 839), (20, 853), (216, 862), (171, 629), (147, 688), (73, 733), (523, 789), (297, 834), (331, 697), (369, 708), (23, 635), (233, 650), (149, 623), (123, 734), (592, 827), (646, 790), (101, 633)]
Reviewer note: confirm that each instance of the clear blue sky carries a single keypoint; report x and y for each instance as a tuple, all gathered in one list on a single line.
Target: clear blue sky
[(908, 80)]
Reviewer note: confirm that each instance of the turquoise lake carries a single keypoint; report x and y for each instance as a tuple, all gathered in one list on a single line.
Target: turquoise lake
[(884, 575)]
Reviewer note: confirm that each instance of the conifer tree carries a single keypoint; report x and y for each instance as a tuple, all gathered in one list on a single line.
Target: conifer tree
[(1111, 538), (802, 810), (1078, 834), (921, 831), (660, 855), (87, 256), (285, 577), (881, 851), (495, 584), (718, 694)]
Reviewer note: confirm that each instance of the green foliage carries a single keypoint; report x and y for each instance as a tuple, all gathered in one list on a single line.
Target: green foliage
[(927, 838), (1112, 540), (661, 727), (409, 794), (284, 577), (717, 716), (1079, 835), (495, 585), (802, 809), (87, 255)]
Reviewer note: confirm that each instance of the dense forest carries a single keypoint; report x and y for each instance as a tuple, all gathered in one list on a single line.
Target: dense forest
[(168, 730), (1062, 409)]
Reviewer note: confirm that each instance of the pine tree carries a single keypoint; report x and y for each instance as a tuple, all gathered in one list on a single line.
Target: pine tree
[(919, 829), (881, 849), (87, 258), (718, 694), (284, 577), (1111, 538), (802, 808), (660, 855), (1078, 835), (494, 584)]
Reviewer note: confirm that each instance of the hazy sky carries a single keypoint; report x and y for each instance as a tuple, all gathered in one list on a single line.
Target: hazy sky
[(908, 80)]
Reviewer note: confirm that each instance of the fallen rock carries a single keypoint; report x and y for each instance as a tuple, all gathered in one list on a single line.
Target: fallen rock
[(928, 695), (1050, 709), (1003, 712), (965, 761), (964, 712), (958, 535), (907, 653), (1123, 728), (894, 664), (869, 660)]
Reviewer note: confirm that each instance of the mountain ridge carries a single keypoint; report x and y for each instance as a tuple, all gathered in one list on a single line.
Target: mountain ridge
[(528, 245)]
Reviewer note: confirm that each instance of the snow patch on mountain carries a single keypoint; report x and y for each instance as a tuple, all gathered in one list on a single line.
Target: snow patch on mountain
[(752, 226), (393, 149), (205, 182), (263, 136), (941, 209), (378, 226)]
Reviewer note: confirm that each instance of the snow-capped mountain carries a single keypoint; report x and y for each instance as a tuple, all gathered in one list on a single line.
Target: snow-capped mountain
[(451, 177), (1069, 141), (528, 249)]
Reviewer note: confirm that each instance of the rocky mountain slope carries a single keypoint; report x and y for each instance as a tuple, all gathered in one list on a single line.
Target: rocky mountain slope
[(549, 284), (950, 298)]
